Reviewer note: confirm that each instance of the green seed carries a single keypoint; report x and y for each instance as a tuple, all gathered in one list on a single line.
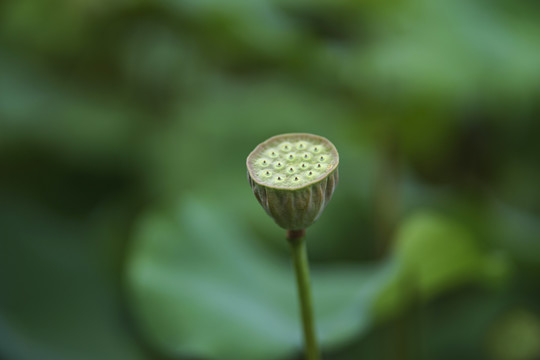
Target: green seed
[(286, 147), (273, 153)]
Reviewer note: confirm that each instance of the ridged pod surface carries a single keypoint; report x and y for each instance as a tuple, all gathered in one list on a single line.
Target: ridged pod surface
[(293, 176)]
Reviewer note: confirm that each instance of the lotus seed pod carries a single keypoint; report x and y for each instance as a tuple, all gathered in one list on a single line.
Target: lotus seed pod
[(293, 176)]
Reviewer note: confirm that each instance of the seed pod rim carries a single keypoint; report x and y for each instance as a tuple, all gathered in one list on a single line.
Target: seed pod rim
[(265, 144)]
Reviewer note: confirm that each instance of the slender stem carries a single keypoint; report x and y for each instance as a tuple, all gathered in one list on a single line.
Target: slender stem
[(301, 267)]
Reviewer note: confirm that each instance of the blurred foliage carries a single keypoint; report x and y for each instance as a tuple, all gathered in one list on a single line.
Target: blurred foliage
[(128, 229), (180, 267)]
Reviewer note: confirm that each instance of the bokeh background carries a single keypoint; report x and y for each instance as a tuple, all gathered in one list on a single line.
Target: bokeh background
[(127, 226)]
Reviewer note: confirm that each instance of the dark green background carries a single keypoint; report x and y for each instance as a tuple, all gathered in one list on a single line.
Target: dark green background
[(127, 226)]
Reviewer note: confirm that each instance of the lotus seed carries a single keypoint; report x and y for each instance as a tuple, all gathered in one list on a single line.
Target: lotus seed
[(265, 174), (263, 162), (286, 147)]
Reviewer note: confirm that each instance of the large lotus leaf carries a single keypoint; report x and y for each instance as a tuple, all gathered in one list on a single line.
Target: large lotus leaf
[(202, 286)]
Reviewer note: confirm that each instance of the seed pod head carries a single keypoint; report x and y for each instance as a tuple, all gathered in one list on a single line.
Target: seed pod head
[(293, 177)]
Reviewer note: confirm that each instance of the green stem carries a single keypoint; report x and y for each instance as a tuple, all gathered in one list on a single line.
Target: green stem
[(298, 246)]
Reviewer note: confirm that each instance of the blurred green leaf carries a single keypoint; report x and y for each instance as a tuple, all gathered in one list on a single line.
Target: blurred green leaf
[(56, 301), (436, 254), (516, 336), (201, 286)]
